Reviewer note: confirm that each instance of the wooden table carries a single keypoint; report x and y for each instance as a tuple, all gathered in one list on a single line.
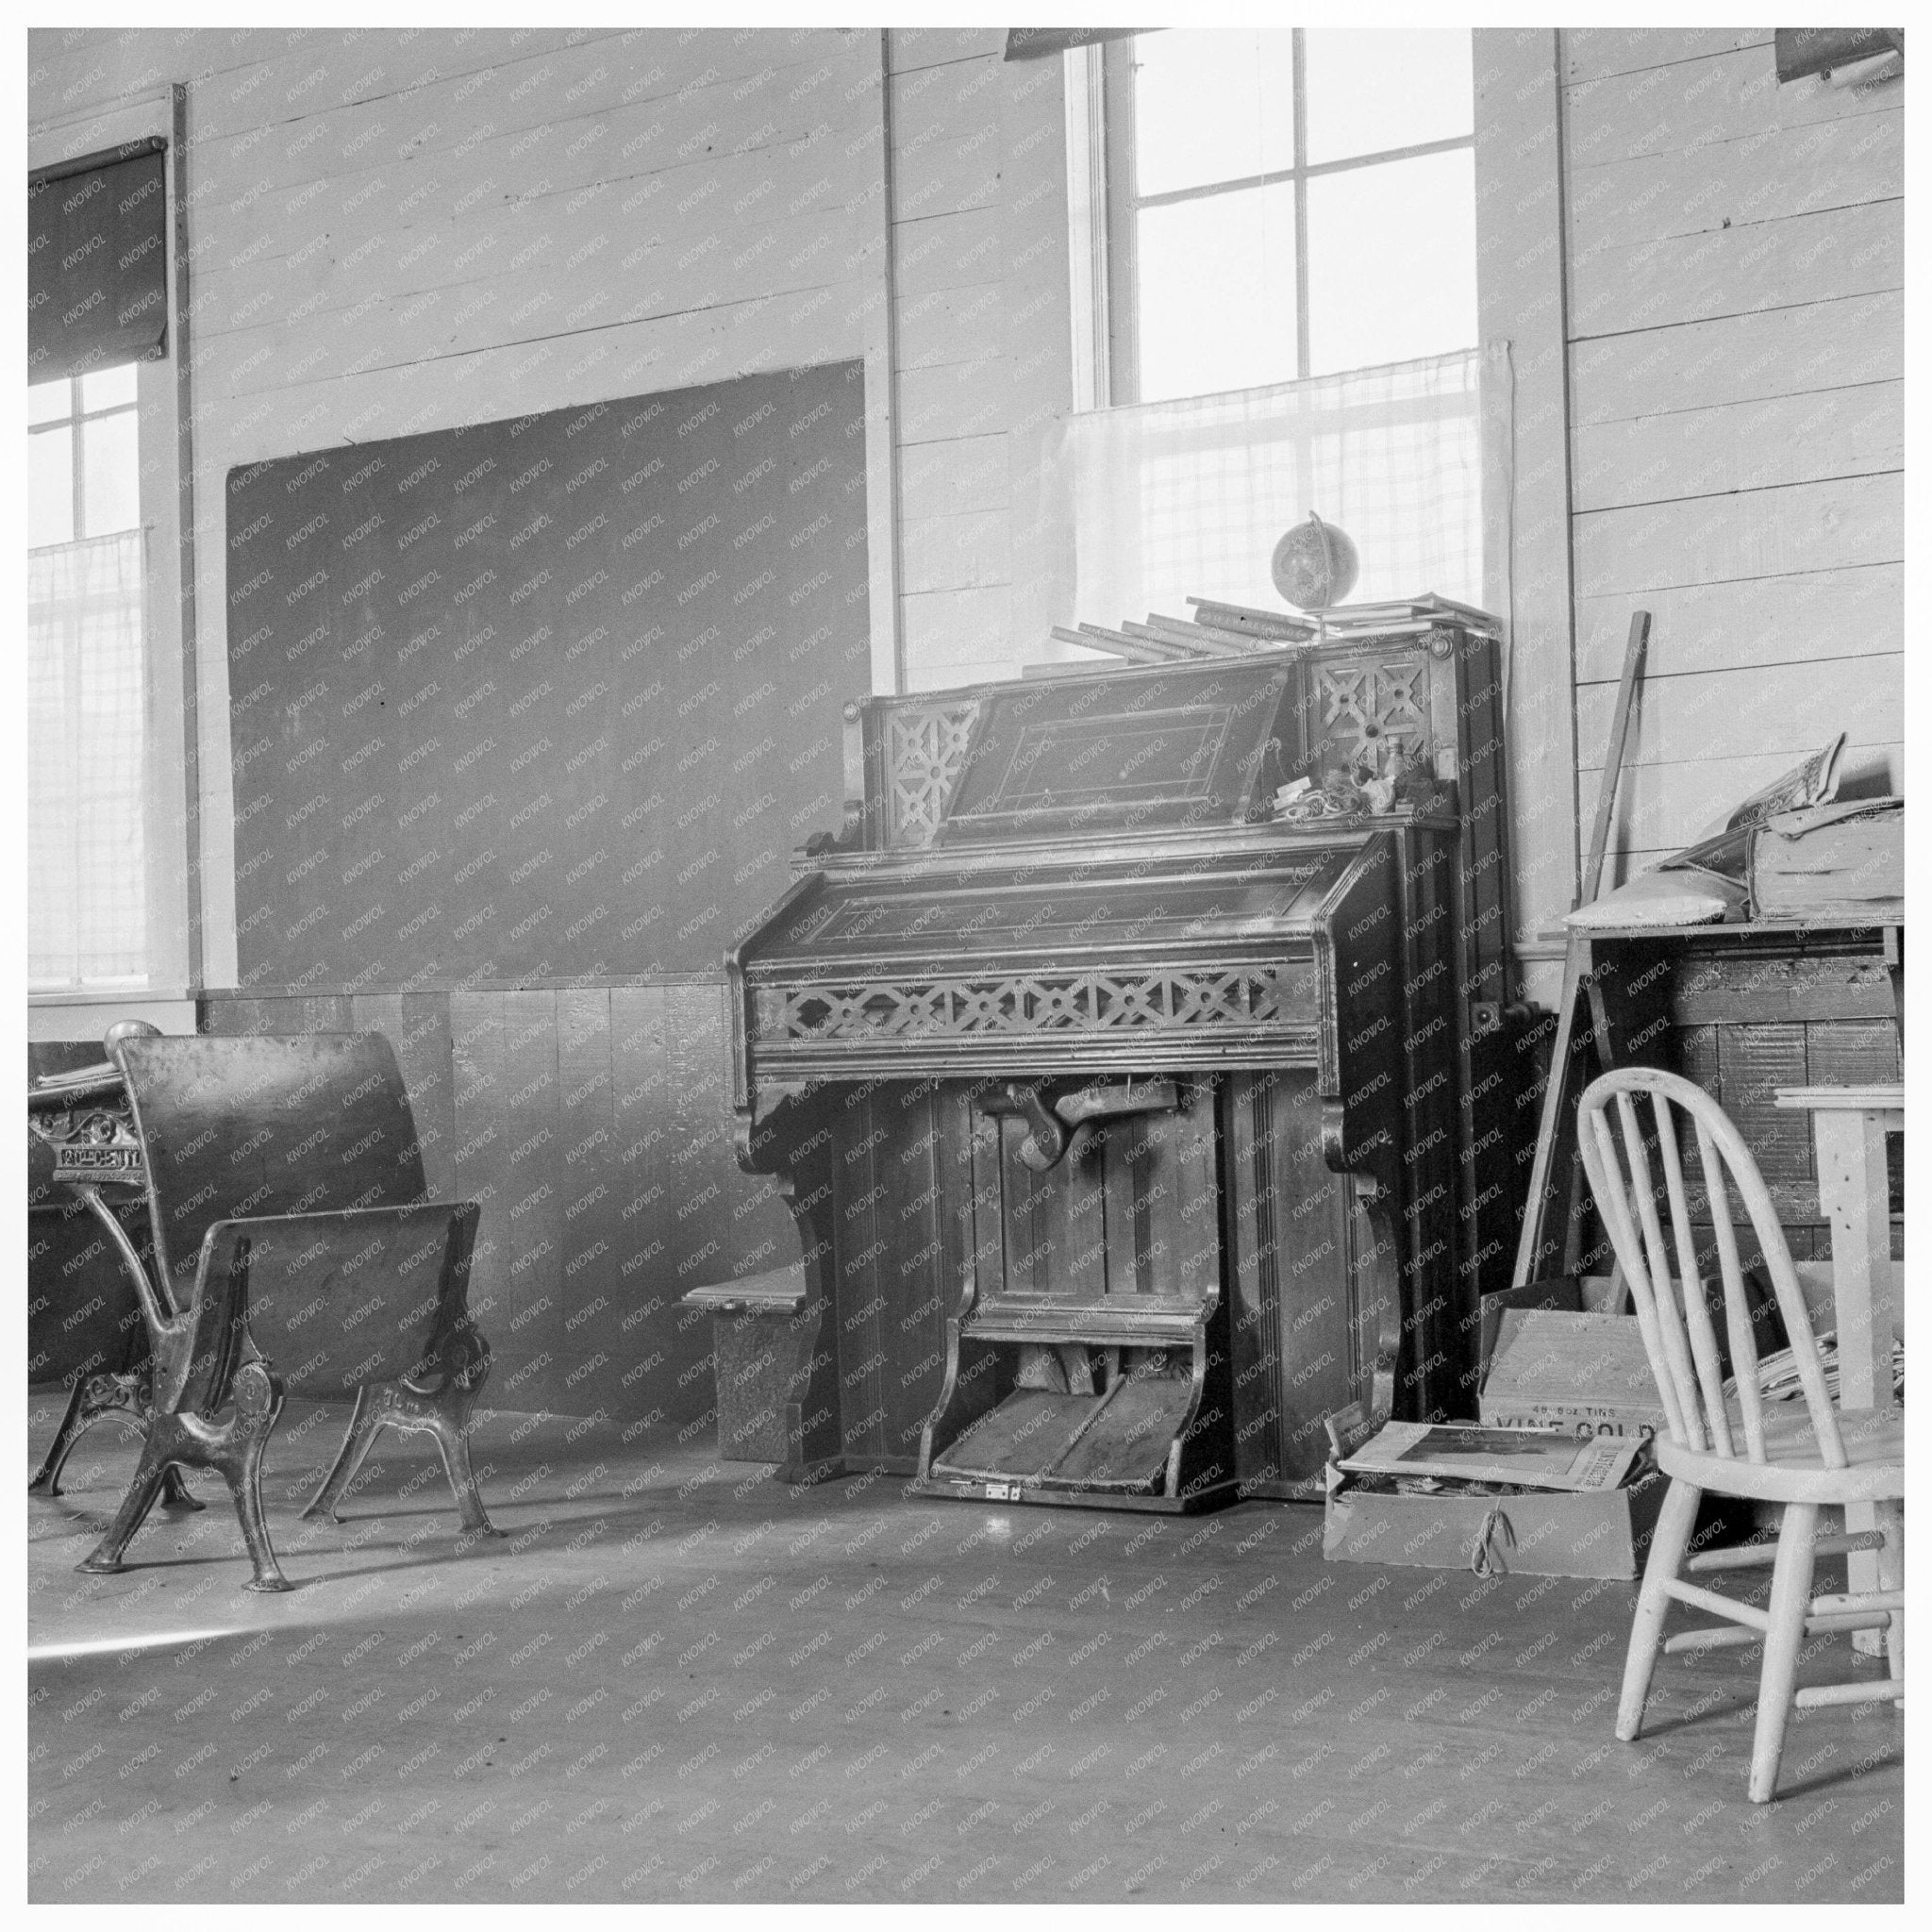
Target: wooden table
[(1848, 1126)]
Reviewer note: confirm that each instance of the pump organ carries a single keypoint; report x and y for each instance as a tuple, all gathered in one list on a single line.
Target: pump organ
[(1130, 1130)]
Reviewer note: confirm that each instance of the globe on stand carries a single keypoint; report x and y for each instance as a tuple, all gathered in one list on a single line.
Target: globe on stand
[(1315, 565)]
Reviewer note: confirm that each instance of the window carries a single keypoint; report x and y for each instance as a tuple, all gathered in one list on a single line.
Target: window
[(1281, 205), (83, 467), (86, 685), (112, 793), (1273, 259)]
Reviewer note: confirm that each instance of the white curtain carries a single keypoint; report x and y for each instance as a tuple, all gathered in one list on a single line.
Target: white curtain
[(87, 891), (1173, 500)]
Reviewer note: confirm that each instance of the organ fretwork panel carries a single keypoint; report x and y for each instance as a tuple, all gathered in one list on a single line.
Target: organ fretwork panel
[(1120, 1117)]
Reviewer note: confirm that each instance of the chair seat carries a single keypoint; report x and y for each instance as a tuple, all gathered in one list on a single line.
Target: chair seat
[(1793, 1471)]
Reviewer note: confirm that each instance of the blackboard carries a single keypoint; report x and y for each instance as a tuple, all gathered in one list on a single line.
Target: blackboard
[(544, 699)]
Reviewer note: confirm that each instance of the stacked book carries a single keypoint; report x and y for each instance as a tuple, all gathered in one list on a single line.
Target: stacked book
[(1238, 630), (1778, 1375)]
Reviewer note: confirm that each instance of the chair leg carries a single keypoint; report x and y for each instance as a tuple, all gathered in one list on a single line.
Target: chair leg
[(177, 1495), (1668, 1543), (453, 1403), (91, 1398), (157, 1455), (1891, 1575), (445, 1416), (175, 1491), (1791, 1598), (123, 1393), (235, 1448), (239, 1457), (363, 1424)]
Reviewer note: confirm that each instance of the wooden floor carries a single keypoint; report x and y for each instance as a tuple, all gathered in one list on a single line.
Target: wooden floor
[(679, 1680)]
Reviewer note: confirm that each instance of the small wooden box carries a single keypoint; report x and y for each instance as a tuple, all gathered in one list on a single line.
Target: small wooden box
[(1603, 1534), (761, 1342)]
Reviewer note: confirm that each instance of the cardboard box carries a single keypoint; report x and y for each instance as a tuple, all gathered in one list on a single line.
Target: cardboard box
[(1603, 1535), (1557, 1370), (1580, 1295)]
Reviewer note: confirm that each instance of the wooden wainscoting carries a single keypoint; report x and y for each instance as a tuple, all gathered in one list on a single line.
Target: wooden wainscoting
[(591, 1123)]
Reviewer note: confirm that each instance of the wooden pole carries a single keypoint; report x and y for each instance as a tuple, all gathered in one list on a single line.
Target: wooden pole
[(1558, 1108), (1613, 755)]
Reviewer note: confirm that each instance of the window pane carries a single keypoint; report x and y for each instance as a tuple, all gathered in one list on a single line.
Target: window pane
[(107, 389), (1369, 88), (1217, 294), (108, 830), (1211, 105), (1391, 262), (49, 402), (49, 488), (110, 474), (87, 829)]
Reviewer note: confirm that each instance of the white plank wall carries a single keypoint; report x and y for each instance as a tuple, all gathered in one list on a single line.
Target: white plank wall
[(402, 231), (1734, 263), (395, 232), (1527, 574), (978, 225)]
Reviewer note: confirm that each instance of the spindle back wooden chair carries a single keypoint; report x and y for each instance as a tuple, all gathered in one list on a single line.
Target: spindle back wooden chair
[(1803, 1456)]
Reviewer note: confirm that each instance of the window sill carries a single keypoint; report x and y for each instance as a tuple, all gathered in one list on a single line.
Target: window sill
[(106, 996)]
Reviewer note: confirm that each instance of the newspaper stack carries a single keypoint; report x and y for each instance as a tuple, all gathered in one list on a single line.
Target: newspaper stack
[(1778, 1375)]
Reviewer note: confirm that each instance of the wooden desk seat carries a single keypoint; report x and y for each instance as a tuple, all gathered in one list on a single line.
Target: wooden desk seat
[(295, 1251)]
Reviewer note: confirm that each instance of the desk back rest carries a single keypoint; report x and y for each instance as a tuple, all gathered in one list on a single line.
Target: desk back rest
[(272, 1124)]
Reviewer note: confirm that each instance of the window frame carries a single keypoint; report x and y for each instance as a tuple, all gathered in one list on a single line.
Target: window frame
[(78, 415), (166, 518), (1100, 114)]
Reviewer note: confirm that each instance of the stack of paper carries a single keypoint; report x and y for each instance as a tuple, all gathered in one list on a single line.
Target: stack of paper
[(1475, 1453), (1778, 1375)]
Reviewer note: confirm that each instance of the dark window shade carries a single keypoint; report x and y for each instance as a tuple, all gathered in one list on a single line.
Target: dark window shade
[(1037, 43), (97, 288), (1802, 51)]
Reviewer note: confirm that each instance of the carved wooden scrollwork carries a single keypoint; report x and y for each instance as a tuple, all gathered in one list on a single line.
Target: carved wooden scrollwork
[(1367, 704), (925, 751), (1030, 1004)]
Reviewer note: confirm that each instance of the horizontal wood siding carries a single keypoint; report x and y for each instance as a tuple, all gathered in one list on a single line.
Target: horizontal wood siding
[(398, 231), (1735, 289), (591, 1124), (980, 315)]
